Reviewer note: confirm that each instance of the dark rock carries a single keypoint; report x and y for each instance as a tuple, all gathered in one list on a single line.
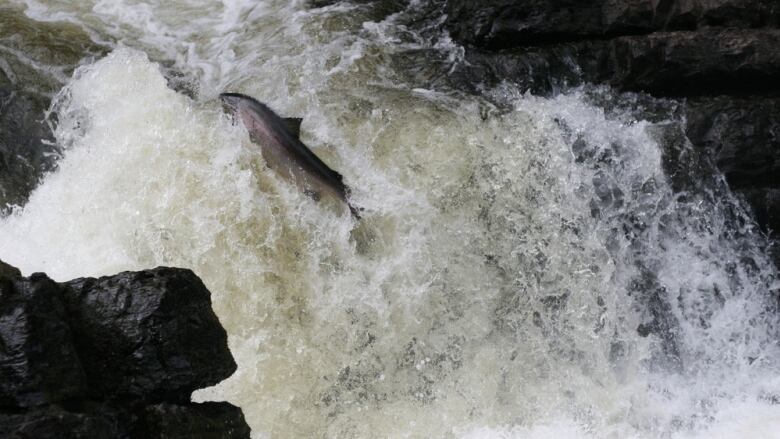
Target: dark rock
[(38, 361), (765, 202), (706, 62), (23, 141), (54, 422), (500, 24), (673, 64), (210, 420), (542, 71), (742, 136), (496, 24), (35, 59), (146, 339), (665, 48), (9, 271), (395, 5), (148, 335), (738, 13)]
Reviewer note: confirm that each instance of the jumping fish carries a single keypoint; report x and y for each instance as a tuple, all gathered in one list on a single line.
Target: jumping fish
[(283, 150)]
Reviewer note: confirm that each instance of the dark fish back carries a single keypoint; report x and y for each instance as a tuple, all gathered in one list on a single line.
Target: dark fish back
[(294, 146)]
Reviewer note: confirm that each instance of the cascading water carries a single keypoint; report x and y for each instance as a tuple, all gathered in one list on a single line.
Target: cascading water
[(528, 272)]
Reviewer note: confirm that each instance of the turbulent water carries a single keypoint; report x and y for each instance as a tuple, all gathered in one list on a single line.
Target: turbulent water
[(525, 267)]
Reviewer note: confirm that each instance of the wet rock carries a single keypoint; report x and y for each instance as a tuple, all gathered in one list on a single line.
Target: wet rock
[(23, 141), (672, 64), (35, 60), (742, 136), (148, 335), (114, 357), (706, 62), (501, 24), (497, 24), (38, 360), (210, 420), (55, 422), (765, 202), (542, 71), (8, 271)]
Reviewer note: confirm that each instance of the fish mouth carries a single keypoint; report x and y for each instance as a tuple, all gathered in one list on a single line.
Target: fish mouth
[(229, 103)]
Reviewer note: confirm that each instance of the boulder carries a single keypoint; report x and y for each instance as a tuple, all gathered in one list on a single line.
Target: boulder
[(38, 360), (114, 357), (149, 335)]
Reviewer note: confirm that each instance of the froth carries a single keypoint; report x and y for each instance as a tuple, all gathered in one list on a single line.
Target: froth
[(495, 285)]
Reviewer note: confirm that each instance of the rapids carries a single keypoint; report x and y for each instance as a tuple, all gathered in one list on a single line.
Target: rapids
[(526, 267)]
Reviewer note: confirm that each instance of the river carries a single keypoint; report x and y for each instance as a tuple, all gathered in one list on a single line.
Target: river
[(525, 266)]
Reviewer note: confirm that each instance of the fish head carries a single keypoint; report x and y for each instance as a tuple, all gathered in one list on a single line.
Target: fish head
[(230, 102)]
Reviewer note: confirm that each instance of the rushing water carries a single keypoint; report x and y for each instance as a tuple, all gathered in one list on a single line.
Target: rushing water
[(521, 271)]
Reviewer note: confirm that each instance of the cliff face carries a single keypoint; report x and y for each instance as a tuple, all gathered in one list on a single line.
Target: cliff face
[(720, 58), (114, 357)]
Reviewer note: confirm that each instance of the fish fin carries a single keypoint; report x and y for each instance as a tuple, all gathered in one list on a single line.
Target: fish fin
[(294, 125)]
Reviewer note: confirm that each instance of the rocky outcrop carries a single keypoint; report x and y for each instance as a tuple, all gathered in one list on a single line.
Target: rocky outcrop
[(719, 57), (114, 357)]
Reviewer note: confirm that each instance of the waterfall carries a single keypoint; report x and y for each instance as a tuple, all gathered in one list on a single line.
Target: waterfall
[(526, 267)]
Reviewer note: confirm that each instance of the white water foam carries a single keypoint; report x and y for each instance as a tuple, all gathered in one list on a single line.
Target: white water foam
[(494, 287)]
